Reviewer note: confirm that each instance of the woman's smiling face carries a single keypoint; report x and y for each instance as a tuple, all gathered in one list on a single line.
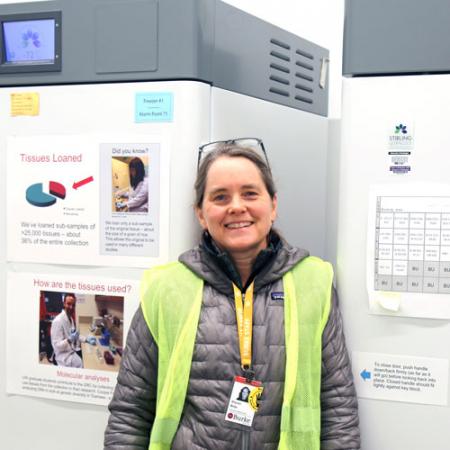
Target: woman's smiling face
[(237, 210)]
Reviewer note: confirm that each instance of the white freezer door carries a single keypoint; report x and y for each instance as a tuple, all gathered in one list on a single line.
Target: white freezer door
[(78, 119), (373, 108), (77, 135)]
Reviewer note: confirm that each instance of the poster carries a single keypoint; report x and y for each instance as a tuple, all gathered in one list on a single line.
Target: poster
[(88, 200), (408, 250), (52, 356)]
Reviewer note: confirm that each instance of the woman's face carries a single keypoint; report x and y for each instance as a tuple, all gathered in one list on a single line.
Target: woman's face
[(132, 172), (237, 209)]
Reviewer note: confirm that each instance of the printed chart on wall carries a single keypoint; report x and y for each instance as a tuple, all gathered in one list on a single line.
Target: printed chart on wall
[(408, 250), (85, 200), (65, 336)]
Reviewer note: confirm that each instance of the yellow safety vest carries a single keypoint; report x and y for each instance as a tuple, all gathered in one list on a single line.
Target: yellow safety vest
[(171, 299)]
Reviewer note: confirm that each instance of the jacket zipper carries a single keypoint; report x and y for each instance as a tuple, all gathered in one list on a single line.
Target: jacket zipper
[(245, 443)]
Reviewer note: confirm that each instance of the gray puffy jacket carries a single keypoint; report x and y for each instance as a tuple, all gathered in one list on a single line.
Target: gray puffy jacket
[(216, 361)]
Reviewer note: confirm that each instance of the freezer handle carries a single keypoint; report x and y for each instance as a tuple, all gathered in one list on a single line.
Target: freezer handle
[(323, 72)]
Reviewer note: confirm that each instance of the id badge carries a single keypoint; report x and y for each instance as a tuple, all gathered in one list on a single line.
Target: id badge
[(243, 401)]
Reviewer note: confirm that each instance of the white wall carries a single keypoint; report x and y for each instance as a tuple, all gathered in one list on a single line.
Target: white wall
[(319, 21)]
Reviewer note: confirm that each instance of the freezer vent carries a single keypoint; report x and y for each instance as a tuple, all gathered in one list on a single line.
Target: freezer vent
[(292, 72), (280, 68)]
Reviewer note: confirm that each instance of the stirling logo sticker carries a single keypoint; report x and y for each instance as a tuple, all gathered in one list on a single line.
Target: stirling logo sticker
[(401, 137), (400, 145)]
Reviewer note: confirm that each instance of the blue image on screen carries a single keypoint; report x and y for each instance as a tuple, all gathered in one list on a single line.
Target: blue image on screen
[(30, 41)]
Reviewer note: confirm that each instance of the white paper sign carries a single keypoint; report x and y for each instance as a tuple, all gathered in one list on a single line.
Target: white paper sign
[(71, 200), (408, 250), (43, 360), (401, 378)]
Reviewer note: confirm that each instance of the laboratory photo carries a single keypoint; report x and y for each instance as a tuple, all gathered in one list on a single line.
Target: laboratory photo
[(130, 184), (80, 330)]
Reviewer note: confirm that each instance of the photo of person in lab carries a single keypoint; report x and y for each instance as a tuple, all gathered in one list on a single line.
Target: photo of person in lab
[(243, 302), (81, 330), (66, 339), (134, 198)]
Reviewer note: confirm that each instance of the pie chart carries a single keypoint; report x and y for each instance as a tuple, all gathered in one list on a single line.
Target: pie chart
[(36, 196), (57, 189)]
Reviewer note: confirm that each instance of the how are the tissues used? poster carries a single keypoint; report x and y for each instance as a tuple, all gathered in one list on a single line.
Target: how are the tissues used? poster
[(66, 334)]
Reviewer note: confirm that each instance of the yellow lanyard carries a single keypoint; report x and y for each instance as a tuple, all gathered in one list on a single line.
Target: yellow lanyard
[(244, 318)]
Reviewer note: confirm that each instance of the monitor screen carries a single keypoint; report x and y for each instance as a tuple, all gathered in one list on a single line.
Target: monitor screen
[(29, 41)]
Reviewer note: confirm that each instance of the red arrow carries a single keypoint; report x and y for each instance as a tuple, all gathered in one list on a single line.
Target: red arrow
[(82, 182)]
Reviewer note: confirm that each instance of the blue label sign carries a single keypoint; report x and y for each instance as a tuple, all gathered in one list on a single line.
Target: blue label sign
[(154, 107)]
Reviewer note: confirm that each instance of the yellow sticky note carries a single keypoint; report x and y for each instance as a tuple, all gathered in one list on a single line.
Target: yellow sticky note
[(25, 104)]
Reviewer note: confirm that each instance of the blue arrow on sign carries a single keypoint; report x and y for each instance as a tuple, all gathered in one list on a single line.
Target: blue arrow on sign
[(365, 375)]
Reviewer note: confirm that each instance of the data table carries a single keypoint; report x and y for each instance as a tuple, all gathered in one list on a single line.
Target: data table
[(412, 244)]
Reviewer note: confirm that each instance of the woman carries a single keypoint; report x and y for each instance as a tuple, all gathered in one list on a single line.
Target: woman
[(138, 194), (184, 346)]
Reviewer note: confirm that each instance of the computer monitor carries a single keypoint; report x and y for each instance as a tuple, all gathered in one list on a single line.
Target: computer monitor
[(30, 42)]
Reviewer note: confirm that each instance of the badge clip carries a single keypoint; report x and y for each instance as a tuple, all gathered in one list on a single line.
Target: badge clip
[(249, 374)]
